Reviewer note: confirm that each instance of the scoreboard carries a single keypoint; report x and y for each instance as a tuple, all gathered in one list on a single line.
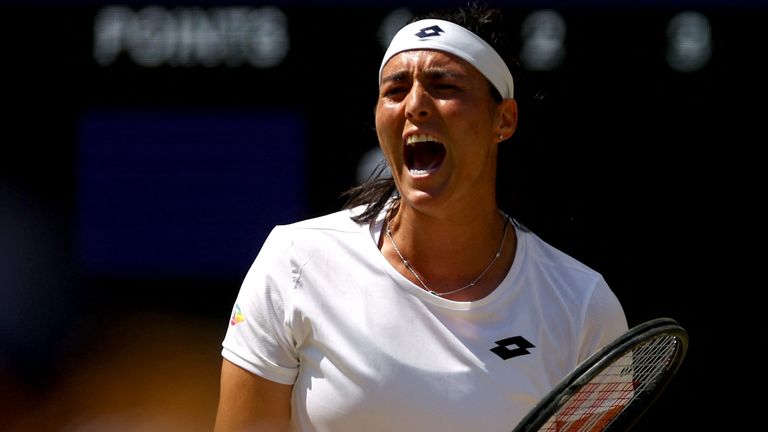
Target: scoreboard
[(175, 135)]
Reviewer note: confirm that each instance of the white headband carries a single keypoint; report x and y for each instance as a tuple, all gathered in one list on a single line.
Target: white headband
[(455, 39)]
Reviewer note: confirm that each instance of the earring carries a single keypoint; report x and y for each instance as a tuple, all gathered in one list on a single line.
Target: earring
[(501, 136)]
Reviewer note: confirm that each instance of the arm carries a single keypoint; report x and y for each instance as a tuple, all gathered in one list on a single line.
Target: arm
[(248, 402)]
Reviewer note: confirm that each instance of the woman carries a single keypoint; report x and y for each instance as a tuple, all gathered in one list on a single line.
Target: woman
[(422, 306)]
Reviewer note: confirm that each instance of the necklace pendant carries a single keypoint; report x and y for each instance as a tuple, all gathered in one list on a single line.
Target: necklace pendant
[(434, 293)]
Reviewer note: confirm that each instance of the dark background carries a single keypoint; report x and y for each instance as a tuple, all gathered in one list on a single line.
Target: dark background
[(133, 199)]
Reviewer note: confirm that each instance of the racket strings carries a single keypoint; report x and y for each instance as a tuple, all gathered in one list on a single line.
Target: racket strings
[(653, 359), (609, 393)]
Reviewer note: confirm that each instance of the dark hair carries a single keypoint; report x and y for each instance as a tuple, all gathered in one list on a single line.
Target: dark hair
[(486, 22)]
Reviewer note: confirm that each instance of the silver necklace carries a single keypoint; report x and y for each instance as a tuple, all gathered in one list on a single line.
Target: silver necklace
[(469, 285)]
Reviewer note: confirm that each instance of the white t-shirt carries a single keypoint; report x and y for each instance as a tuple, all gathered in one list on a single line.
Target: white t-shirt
[(367, 350)]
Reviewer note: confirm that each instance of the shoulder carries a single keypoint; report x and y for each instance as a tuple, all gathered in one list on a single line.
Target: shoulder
[(310, 231), (551, 259), (329, 225), (568, 279), (290, 246), (337, 221)]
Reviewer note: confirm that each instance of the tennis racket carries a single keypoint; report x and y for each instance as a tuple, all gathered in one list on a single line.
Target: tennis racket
[(615, 386)]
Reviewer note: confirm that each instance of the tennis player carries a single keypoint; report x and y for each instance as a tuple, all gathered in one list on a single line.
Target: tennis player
[(421, 306)]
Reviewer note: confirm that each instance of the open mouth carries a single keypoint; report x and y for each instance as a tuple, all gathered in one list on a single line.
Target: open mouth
[(423, 154)]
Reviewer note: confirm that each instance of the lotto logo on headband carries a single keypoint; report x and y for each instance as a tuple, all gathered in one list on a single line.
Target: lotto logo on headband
[(429, 32)]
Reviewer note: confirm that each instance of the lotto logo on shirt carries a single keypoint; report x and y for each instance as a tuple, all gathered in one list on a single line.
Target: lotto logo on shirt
[(237, 316)]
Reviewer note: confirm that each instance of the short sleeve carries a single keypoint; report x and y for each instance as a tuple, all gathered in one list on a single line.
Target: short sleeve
[(259, 337)]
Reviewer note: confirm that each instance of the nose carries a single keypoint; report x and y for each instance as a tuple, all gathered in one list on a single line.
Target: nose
[(418, 104)]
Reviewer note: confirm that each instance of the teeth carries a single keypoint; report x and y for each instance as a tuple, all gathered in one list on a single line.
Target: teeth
[(413, 139), (418, 172)]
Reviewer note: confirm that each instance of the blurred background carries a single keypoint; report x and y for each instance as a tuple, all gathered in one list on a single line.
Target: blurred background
[(148, 148)]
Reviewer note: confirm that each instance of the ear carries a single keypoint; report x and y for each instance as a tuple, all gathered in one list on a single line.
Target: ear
[(507, 119)]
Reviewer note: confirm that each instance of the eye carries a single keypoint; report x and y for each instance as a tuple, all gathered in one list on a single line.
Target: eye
[(443, 89), (394, 90), (446, 86)]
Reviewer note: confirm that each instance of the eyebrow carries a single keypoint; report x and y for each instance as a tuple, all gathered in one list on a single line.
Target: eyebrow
[(397, 76), (432, 73)]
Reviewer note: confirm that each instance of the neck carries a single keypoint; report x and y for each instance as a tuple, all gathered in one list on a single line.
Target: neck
[(450, 252), (466, 233)]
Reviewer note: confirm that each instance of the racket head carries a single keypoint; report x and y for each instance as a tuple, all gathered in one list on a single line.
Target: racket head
[(591, 398)]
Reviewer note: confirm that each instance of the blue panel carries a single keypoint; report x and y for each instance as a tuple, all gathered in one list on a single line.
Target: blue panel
[(185, 193)]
